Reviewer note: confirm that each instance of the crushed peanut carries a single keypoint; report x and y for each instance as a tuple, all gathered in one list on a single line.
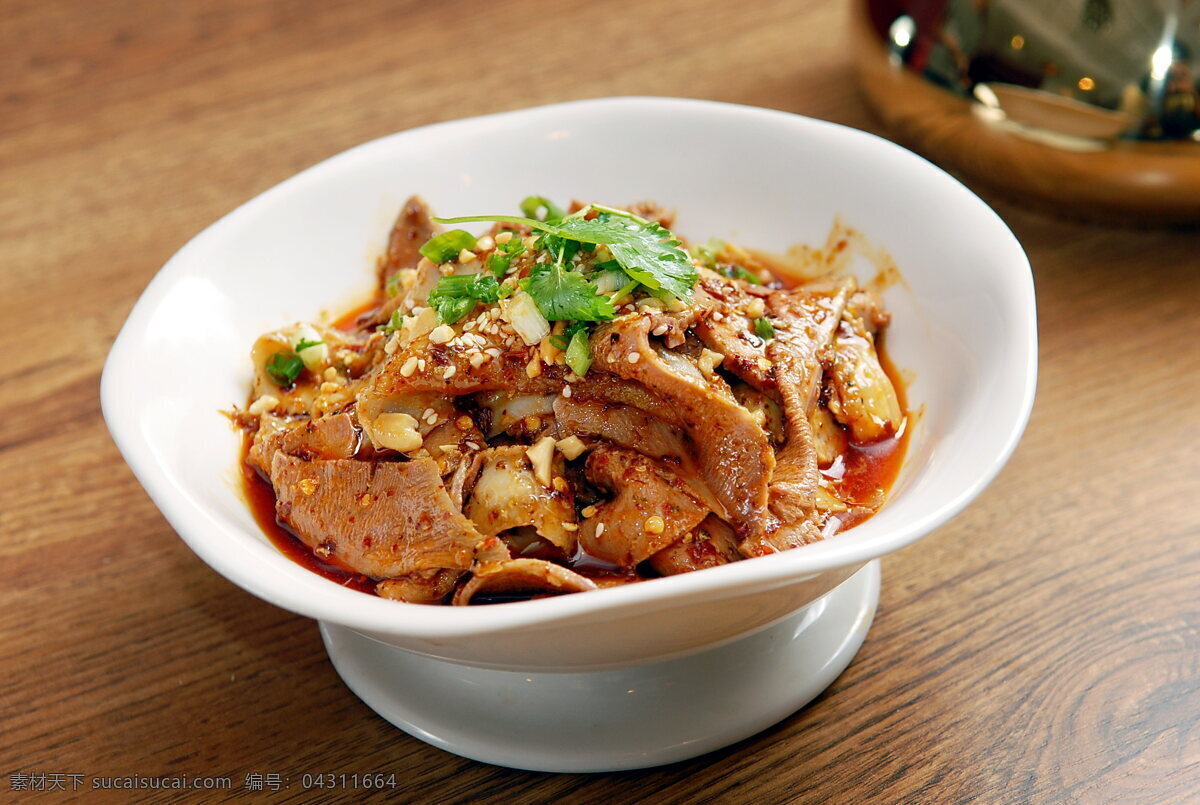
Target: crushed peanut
[(263, 404), (571, 447), (441, 334)]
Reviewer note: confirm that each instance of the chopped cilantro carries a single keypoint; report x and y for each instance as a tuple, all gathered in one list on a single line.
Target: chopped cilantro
[(305, 344), (445, 247), (284, 367), (565, 295), (456, 296), (764, 329)]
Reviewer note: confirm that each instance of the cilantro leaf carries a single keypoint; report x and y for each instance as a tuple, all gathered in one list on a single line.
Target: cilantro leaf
[(445, 247), (647, 252), (563, 295), (764, 329), (456, 296), (284, 367)]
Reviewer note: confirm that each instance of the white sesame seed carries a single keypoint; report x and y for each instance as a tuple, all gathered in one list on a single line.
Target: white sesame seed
[(599, 530), (472, 445), (633, 357), (428, 412), (660, 329), (420, 364), (567, 392)]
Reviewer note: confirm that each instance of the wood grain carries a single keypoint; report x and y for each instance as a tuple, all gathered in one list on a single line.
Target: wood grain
[(1042, 647)]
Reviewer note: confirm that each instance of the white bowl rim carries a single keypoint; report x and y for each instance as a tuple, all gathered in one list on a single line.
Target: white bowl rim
[(217, 544)]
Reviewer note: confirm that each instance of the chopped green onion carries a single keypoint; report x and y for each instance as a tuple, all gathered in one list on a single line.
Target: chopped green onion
[(708, 252), (304, 344), (394, 323), (739, 273), (764, 329), (445, 247), (578, 354), (284, 367), (532, 205), (393, 285)]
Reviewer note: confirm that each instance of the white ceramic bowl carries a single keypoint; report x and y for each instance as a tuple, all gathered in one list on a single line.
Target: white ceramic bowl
[(963, 326)]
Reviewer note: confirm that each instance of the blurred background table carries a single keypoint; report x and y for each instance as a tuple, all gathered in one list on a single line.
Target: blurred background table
[(1043, 647)]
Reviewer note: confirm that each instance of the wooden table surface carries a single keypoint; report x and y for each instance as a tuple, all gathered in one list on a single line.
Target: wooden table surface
[(1042, 647)]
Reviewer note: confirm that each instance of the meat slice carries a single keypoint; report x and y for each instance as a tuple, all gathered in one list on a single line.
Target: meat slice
[(863, 398), (623, 425), (506, 495), (412, 228), (523, 577), (327, 437), (710, 544), (804, 324), (727, 327), (422, 587), (732, 451), (651, 508), (386, 519)]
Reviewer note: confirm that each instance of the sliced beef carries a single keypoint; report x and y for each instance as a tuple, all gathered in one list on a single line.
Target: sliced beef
[(385, 519), (328, 437), (506, 495), (863, 397), (732, 451), (727, 327), (623, 425), (412, 228), (710, 544), (651, 507), (521, 577), (422, 587), (804, 324)]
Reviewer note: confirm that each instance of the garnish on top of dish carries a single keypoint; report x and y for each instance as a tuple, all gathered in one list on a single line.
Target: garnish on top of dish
[(569, 401)]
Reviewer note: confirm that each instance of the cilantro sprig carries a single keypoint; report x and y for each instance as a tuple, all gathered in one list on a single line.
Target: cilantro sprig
[(645, 250), (565, 295), (456, 296)]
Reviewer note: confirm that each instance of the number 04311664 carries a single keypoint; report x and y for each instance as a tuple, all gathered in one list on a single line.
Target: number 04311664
[(337, 780)]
